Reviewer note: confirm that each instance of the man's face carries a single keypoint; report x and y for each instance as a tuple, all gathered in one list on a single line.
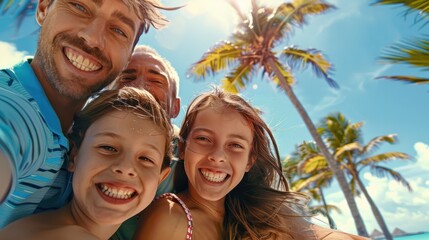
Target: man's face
[(83, 45), (146, 72)]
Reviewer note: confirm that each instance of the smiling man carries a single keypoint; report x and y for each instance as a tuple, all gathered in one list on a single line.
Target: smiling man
[(150, 71), (82, 47)]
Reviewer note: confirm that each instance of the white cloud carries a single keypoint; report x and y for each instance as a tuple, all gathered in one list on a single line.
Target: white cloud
[(10, 55), (363, 78), (399, 207), (422, 157), (218, 16), (328, 101)]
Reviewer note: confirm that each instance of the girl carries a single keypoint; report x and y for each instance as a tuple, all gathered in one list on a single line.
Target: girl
[(121, 152), (234, 188)]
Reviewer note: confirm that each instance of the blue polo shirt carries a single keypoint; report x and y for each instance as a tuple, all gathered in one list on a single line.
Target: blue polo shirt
[(32, 140)]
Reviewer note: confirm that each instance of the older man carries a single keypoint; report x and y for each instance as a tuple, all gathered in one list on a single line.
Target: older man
[(148, 70), (82, 47)]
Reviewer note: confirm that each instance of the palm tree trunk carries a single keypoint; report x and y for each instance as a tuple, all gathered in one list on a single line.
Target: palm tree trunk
[(375, 211), (325, 205), (338, 173)]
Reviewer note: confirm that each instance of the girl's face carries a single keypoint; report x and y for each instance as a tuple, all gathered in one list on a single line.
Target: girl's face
[(117, 168), (217, 152)]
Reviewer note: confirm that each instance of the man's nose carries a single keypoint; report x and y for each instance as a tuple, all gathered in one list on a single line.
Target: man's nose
[(94, 34)]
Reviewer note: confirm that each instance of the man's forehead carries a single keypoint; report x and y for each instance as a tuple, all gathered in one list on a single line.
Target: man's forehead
[(147, 64)]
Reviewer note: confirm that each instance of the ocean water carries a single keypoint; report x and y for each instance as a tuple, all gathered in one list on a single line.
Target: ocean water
[(423, 236)]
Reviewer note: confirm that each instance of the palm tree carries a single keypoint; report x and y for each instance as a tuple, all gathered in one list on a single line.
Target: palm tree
[(412, 52), (19, 10), (308, 172), (345, 139), (252, 49)]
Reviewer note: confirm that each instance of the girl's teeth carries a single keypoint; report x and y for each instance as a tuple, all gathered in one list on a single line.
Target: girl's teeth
[(213, 176)]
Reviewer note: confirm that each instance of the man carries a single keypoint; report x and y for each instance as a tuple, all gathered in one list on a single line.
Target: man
[(82, 47), (148, 70)]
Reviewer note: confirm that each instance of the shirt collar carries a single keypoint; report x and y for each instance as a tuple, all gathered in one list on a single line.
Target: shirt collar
[(29, 81)]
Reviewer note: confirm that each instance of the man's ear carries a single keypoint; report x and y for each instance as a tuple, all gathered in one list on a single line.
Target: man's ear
[(72, 158), (250, 163), (42, 11), (175, 108), (164, 174)]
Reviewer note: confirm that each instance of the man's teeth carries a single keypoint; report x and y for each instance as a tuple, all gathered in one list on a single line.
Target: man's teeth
[(81, 62), (116, 193), (213, 176)]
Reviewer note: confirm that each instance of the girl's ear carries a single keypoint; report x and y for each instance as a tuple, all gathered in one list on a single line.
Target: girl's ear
[(250, 163), (42, 11), (72, 158)]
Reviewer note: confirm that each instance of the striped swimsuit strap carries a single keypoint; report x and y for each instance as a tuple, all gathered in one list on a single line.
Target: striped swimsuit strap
[(185, 208)]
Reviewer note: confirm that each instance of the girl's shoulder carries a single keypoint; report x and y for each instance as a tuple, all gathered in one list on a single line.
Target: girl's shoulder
[(164, 218), (323, 233)]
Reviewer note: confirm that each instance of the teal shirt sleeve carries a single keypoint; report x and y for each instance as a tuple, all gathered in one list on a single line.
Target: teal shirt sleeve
[(20, 141)]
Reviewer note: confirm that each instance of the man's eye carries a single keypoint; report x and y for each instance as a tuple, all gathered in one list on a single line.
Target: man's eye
[(120, 32), (157, 82), (79, 7), (128, 78)]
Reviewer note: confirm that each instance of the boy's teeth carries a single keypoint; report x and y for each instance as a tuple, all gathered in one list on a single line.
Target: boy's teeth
[(116, 193), (213, 176), (81, 62)]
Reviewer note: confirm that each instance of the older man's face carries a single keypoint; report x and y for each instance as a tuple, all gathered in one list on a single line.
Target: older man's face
[(146, 72)]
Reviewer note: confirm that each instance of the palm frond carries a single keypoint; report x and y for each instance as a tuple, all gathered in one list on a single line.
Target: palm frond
[(383, 157), (236, 80), (315, 163), (20, 10), (286, 72), (352, 132), (321, 209), (414, 53), (383, 172), (420, 6), (407, 79), (296, 12), (223, 55), (306, 182), (300, 59), (332, 128), (354, 146), (375, 143)]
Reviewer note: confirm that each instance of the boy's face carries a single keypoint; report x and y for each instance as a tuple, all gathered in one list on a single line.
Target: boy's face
[(83, 45), (118, 167)]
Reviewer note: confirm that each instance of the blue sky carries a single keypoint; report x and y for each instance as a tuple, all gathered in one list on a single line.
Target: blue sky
[(352, 36)]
